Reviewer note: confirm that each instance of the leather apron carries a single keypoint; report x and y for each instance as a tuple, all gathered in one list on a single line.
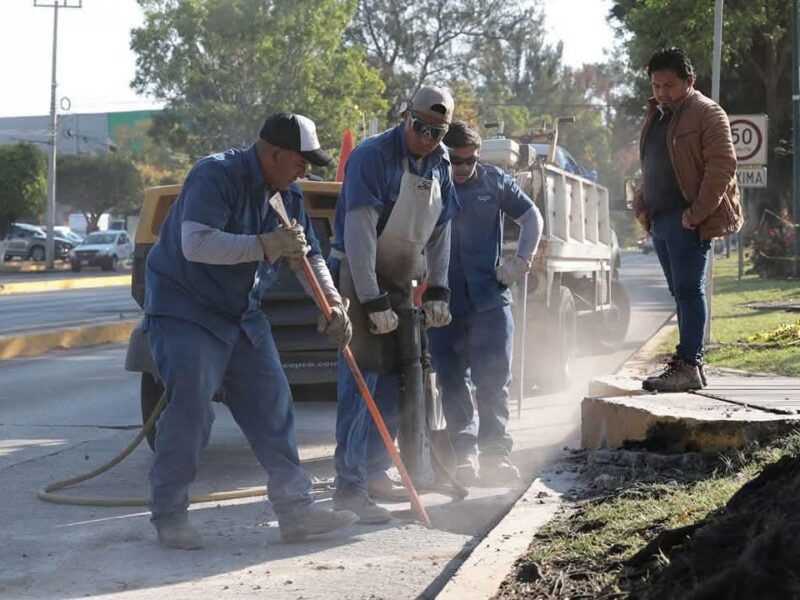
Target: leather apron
[(399, 260)]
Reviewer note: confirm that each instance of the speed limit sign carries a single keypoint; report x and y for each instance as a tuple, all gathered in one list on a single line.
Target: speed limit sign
[(749, 134)]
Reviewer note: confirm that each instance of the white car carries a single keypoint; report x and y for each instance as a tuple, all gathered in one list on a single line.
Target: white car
[(104, 249)]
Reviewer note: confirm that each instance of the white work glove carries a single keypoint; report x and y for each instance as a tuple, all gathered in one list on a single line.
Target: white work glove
[(382, 319), (284, 242), (382, 322), (511, 271), (338, 330), (437, 313)]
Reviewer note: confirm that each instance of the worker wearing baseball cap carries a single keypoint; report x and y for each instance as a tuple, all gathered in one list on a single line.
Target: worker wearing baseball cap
[(392, 226), (219, 252)]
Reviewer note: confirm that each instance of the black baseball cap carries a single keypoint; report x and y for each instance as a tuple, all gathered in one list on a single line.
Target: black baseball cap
[(297, 133)]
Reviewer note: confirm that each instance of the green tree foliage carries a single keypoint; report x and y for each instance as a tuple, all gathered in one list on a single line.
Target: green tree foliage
[(756, 73), (97, 184), (23, 182), (412, 42), (221, 67), (156, 162)]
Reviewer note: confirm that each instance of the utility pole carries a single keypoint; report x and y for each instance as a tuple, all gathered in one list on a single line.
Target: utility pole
[(796, 131), (51, 163), (716, 66)]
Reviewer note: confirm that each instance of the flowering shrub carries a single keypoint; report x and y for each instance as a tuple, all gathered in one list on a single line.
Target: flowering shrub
[(773, 246)]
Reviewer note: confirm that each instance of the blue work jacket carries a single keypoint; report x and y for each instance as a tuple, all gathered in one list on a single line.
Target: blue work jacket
[(476, 237), (373, 174), (226, 191)]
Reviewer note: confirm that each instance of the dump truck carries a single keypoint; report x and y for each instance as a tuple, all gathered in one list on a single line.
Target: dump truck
[(574, 282)]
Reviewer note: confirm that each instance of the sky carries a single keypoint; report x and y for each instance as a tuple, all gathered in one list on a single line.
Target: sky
[(96, 65)]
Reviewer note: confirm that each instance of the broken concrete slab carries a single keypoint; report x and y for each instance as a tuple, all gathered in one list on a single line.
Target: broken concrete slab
[(676, 423)]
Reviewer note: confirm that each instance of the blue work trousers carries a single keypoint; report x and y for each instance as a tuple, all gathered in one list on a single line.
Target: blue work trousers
[(359, 447), (193, 364), (475, 351), (683, 257)]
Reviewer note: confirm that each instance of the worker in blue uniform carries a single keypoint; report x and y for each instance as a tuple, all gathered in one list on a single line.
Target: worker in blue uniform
[(474, 350), (219, 252), (391, 227)]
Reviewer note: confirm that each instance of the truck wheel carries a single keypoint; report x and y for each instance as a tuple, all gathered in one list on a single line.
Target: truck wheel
[(151, 390), (556, 362), (612, 326)]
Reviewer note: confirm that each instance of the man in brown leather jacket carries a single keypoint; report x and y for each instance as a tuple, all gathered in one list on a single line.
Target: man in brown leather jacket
[(688, 196)]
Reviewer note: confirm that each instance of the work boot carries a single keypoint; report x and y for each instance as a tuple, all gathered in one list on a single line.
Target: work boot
[(499, 470), (314, 520), (383, 488), (678, 376), (467, 470), (672, 359), (368, 512), (176, 532)]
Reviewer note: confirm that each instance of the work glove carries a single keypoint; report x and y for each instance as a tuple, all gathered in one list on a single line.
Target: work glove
[(285, 242), (382, 319), (511, 271), (338, 330), (436, 307)]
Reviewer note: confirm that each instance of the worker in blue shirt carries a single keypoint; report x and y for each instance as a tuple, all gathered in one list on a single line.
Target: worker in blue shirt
[(392, 226), (219, 251), (474, 351)]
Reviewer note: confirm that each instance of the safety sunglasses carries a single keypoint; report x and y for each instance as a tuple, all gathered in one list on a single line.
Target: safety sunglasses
[(435, 132), (457, 160)]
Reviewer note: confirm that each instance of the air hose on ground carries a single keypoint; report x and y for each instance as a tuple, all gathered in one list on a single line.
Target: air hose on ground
[(47, 492)]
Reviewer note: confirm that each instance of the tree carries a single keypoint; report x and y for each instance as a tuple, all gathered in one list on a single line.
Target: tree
[(756, 73), (156, 162), (97, 184), (221, 67), (412, 42), (23, 179)]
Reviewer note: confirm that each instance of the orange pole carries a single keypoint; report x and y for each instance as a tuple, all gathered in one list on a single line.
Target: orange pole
[(322, 302)]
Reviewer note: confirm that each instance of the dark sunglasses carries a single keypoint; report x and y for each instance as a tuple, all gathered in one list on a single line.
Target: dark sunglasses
[(457, 160), (435, 132)]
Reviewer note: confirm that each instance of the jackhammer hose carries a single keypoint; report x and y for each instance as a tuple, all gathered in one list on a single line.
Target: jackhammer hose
[(46, 493)]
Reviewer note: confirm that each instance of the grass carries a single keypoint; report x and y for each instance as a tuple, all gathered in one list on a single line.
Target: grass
[(733, 322), (604, 533)]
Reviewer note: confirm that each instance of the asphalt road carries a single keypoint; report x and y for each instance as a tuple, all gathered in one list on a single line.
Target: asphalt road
[(66, 412), (20, 313)]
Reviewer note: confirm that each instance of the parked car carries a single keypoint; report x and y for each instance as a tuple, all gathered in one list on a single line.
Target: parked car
[(28, 242), (66, 232), (646, 245), (104, 249)]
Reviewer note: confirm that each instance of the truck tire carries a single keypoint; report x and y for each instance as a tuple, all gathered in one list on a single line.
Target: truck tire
[(559, 348), (150, 392), (612, 327)]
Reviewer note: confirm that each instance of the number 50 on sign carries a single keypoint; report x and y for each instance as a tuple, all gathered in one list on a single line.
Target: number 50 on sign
[(749, 133)]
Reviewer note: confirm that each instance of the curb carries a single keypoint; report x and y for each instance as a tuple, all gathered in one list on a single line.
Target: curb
[(53, 285), (34, 344), (492, 560)]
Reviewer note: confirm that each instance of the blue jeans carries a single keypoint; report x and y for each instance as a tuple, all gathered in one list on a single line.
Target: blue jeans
[(475, 349), (357, 437), (193, 364), (683, 257)]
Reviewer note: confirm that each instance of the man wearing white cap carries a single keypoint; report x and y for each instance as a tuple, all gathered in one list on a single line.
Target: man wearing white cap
[(219, 252), (392, 226)]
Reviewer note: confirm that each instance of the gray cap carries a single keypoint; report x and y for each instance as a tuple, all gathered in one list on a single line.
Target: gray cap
[(434, 102)]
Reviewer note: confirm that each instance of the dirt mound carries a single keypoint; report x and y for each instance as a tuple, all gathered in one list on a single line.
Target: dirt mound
[(750, 549)]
